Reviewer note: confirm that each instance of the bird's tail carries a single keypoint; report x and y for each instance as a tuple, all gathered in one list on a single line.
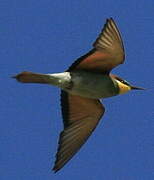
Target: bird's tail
[(30, 77)]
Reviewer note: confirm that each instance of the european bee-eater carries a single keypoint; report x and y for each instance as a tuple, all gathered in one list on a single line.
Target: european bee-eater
[(86, 81)]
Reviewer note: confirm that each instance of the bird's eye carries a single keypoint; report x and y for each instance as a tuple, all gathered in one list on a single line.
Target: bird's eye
[(125, 82)]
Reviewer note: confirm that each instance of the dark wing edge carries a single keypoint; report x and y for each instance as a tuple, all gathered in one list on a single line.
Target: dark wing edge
[(80, 59), (107, 53), (78, 126)]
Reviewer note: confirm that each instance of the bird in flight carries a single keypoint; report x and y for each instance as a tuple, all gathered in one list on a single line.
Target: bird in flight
[(82, 85)]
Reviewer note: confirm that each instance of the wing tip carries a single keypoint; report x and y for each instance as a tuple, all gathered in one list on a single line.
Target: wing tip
[(55, 169), (110, 19)]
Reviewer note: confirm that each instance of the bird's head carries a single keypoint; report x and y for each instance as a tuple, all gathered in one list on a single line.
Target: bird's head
[(125, 86)]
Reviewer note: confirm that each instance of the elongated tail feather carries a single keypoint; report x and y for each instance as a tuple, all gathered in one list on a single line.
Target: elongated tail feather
[(30, 77)]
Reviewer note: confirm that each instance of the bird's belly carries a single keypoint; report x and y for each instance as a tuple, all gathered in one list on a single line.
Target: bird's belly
[(93, 85)]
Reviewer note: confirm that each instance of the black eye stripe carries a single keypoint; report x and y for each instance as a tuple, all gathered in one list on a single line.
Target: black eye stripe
[(125, 82), (122, 81)]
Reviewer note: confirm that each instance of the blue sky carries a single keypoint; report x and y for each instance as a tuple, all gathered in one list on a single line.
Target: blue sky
[(47, 36)]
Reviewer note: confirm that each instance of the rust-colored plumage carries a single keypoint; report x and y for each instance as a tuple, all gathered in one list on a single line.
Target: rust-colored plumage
[(30, 77), (81, 116), (86, 81), (108, 51)]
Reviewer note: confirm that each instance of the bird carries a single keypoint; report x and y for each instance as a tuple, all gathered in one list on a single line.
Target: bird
[(83, 86)]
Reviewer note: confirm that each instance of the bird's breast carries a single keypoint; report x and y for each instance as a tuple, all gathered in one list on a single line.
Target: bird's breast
[(93, 85)]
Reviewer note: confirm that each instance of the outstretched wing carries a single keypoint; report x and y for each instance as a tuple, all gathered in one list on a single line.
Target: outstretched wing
[(108, 51), (81, 116)]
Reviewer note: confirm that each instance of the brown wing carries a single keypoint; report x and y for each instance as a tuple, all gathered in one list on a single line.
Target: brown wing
[(108, 51), (81, 116)]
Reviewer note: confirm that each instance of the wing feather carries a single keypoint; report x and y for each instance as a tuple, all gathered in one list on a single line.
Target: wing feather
[(108, 51), (81, 116)]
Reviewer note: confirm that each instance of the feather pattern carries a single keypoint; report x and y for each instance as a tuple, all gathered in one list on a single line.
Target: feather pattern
[(79, 123), (108, 51)]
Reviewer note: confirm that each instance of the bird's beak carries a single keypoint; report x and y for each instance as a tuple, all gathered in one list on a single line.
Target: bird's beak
[(137, 88)]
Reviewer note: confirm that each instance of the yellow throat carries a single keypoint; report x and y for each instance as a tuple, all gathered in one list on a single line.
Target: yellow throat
[(123, 88)]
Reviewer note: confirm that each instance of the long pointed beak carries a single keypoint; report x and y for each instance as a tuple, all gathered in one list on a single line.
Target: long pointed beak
[(137, 88)]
